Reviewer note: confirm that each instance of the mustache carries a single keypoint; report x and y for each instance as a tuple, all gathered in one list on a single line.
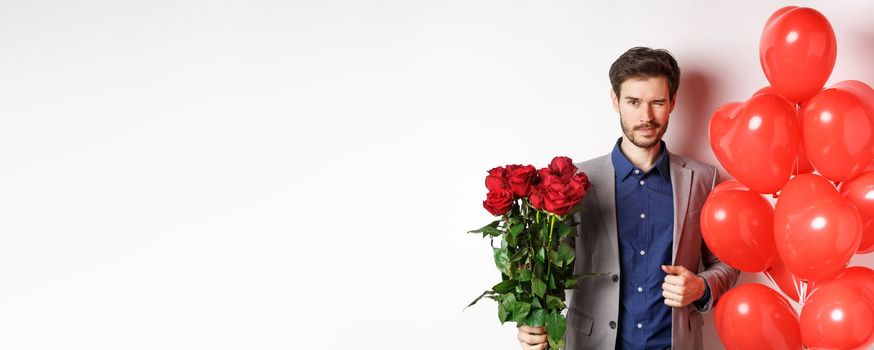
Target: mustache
[(647, 126)]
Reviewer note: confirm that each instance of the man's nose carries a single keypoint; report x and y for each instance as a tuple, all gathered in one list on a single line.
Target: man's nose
[(648, 114)]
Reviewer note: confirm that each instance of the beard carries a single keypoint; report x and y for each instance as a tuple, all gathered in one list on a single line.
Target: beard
[(643, 142)]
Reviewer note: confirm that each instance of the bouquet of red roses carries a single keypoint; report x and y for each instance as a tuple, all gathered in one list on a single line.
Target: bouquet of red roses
[(534, 257)]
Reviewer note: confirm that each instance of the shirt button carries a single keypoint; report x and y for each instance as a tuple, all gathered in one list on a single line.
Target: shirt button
[(636, 171), (641, 182), (642, 216), (613, 324), (639, 289), (640, 325), (615, 278), (642, 252)]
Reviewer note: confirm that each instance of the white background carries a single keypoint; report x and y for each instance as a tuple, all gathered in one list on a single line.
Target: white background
[(300, 175)]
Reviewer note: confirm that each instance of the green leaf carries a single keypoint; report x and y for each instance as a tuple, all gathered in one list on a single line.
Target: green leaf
[(524, 275), (502, 260), (558, 345), (535, 304), (508, 302), (479, 297), (536, 318), (564, 256), (503, 315), (538, 288), (510, 240), (539, 268), (540, 255), (520, 311), (571, 282), (534, 228), (555, 327), (489, 230), (519, 255), (563, 229), (505, 287), (515, 229), (554, 303)]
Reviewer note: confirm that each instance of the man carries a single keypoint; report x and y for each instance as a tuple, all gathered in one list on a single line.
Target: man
[(640, 224)]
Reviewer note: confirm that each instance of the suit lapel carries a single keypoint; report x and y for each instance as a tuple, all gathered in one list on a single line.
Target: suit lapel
[(681, 181), (606, 195)]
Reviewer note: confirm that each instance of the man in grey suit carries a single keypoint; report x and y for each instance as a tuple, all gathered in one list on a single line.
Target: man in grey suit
[(639, 223)]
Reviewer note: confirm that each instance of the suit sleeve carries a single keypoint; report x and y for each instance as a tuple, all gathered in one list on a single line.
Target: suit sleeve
[(718, 275)]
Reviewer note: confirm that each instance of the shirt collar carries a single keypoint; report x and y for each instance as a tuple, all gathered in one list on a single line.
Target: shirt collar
[(623, 167)]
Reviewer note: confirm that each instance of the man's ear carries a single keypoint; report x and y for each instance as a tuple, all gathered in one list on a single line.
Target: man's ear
[(615, 100), (674, 101)]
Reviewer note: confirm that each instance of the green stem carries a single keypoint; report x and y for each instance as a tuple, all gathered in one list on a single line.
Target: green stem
[(549, 246), (528, 238)]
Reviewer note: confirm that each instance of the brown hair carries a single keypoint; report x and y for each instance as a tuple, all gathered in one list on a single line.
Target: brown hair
[(644, 62)]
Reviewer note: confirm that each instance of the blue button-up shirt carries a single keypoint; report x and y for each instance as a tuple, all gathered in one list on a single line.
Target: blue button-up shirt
[(645, 222)]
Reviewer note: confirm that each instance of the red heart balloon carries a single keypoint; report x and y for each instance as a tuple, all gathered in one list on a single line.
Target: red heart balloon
[(838, 315), (860, 192), (766, 90), (816, 231), (802, 165), (859, 278), (777, 14), (738, 227), (753, 316), (838, 130), (757, 142), (797, 52), (729, 185)]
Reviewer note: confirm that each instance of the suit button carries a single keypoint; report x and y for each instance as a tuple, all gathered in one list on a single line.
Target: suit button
[(615, 278), (613, 324)]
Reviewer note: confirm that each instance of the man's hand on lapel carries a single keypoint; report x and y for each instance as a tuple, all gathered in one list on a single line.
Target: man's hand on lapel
[(681, 287)]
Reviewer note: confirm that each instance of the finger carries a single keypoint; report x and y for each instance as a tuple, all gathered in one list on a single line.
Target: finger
[(532, 330), (531, 339), (673, 288), (675, 280), (675, 269), (669, 269), (541, 346), (673, 303), (672, 296), (534, 347)]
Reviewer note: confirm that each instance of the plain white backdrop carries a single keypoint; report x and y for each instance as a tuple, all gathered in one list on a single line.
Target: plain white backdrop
[(300, 175)]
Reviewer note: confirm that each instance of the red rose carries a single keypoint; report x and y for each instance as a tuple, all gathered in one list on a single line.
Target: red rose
[(562, 167), (512, 167), (557, 191), (583, 182), (497, 179), (498, 202), (520, 178), (535, 197), (558, 196)]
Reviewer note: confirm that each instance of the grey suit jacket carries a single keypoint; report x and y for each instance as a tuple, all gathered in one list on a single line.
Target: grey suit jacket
[(594, 307)]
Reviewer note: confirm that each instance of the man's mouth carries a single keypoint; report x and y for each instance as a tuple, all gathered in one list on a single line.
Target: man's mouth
[(647, 127)]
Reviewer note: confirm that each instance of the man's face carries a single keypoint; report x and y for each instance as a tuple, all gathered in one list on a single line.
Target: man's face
[(644, 107)]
